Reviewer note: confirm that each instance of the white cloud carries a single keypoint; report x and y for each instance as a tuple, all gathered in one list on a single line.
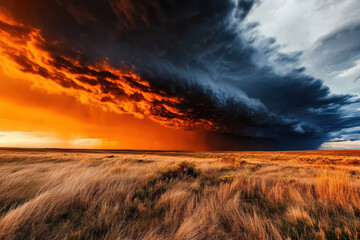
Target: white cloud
[(346, 145), (303, 25), (298, 24)]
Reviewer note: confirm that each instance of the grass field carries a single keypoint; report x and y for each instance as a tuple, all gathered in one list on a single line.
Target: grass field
[(58, 194)]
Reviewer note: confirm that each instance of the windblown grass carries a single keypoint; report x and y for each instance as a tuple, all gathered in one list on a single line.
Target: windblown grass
[(57, 195)]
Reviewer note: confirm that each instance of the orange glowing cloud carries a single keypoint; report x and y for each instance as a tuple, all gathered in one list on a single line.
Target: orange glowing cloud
[(27, 55), (50, 100)]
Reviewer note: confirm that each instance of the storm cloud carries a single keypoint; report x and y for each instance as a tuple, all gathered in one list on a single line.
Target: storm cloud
[(183, 63)]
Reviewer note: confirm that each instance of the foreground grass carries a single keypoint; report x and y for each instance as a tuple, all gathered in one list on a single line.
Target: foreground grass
[(57, 195)]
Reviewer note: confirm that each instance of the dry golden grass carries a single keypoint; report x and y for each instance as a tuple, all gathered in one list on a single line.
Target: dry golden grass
[(179, 195)]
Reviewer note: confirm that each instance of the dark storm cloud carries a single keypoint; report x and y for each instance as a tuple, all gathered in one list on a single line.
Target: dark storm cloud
[(198, 52)]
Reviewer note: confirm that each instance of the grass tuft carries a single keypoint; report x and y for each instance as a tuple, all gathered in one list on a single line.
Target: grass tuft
[(181, 170)]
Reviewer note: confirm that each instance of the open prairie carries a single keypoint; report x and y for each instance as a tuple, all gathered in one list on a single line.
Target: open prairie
[(94, 194)]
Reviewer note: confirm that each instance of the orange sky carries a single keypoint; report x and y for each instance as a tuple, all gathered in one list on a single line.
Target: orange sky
[(41, 110), (33, 117)]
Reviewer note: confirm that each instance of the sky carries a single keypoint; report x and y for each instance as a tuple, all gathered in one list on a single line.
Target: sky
[(180, 74)]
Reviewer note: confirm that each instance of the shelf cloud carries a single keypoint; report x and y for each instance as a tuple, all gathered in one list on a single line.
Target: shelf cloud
[(192, 65)]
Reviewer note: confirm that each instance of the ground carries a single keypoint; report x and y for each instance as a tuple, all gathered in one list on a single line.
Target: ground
[(94, 194)]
